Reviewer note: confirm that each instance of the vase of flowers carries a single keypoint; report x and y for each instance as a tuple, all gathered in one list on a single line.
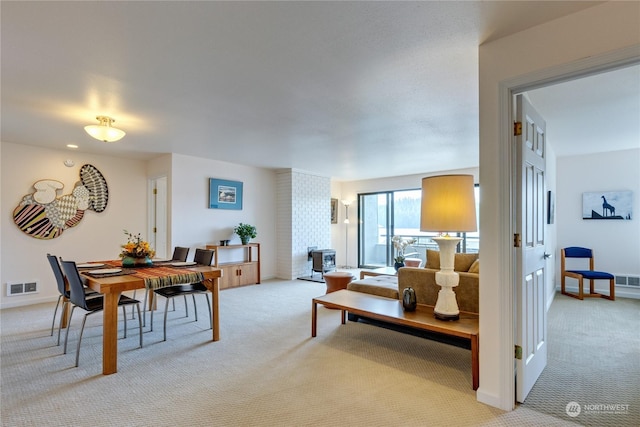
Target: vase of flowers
[(136, 252), (401, 243), (245, 232)]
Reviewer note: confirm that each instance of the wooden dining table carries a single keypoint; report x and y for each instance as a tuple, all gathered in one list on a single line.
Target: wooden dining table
[(111, 287)]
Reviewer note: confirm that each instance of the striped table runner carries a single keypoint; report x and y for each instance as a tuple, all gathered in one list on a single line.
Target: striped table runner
[(161, 277)]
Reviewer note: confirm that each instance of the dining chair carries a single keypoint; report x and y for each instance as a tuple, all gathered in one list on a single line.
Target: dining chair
[(90, 305), (202, 257), (591, 274), (179, 254), (63, 289)]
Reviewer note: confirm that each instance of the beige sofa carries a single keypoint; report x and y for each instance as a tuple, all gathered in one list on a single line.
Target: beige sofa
[(423, 281)]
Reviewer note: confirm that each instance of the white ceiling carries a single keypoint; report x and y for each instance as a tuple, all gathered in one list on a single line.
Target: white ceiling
[(351, 90)]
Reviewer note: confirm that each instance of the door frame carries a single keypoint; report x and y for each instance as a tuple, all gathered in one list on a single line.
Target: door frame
[(507, 281), (151, 213)]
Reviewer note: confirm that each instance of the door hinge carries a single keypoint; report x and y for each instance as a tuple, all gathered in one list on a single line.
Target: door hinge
[(155, 230), (517, 241), (155, 191), (518, 352), (517, 128)]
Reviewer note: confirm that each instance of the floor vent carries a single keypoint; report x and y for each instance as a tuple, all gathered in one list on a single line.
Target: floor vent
[(14, 289)]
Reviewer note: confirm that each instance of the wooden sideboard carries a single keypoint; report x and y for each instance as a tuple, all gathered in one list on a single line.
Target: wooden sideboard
[(243, 271)]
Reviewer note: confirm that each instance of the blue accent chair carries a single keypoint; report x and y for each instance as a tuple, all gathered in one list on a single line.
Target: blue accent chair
[(580, 275)]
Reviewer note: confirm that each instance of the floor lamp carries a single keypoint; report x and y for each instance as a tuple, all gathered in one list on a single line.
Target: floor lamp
[(346, 204), (448, 204)]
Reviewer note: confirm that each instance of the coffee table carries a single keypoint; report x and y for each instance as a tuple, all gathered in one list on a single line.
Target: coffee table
[(391, 311)]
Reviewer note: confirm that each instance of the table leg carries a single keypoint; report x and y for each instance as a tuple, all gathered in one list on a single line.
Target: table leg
[(64, 313), (314, 317), (215, 291), (152, 299), (110, 333), (475, 362), (344, 312)]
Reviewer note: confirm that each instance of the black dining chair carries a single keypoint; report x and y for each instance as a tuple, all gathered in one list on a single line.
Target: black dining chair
[(202, 257), (64, 293), (180, 254), (91, 305)]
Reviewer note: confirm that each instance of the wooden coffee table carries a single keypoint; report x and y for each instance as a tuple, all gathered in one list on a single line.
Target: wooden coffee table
[(391, 311)]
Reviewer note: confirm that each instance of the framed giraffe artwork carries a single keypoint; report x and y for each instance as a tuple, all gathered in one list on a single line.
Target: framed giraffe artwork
[(605, 205)]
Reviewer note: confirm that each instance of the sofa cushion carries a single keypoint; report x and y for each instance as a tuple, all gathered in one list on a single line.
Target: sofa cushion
[(383, 285), (433, 259), (475, 267), (464, 261), (461, 262)]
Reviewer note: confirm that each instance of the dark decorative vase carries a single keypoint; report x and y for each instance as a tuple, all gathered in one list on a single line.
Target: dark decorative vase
[(136, 262), (409, 299), (397, 265)]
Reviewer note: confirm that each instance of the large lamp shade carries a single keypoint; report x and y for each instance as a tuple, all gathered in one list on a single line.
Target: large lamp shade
[(448, 204)]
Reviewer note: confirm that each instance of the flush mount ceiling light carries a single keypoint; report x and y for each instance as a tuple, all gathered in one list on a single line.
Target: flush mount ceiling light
[(104, 131)]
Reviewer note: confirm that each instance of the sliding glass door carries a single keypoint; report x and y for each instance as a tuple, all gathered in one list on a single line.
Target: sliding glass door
[(397, 213), (374, 226)]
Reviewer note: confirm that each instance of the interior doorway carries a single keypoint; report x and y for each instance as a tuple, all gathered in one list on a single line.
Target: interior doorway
[(559, 74)]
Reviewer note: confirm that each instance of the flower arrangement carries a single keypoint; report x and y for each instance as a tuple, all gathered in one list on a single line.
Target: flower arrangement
[(401, 243), (245, 232), (136, 247)]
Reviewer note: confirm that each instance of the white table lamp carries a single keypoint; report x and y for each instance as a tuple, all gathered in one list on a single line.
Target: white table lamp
[(448, 205)]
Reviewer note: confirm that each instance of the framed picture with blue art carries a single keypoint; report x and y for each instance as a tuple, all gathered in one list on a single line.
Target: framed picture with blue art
[(607, 205), (224, 194)]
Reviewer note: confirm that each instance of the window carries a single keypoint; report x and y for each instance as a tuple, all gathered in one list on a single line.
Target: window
[(397, 213)]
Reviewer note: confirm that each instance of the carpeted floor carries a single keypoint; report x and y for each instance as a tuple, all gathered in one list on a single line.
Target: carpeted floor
[(265, 371), (593, 360)]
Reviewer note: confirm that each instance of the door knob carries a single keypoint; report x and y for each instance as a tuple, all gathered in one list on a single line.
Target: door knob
[(547, 256)]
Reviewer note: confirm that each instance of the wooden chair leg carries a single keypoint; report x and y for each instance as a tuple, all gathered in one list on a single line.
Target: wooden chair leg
[(612, 290), (580, 290)]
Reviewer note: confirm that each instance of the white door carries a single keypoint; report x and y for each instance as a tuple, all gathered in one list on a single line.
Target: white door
[(531, 315), (158, 217)]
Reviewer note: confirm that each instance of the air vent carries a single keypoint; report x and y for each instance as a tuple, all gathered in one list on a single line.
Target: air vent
[(621, 280), (628, 281), (14, 289)]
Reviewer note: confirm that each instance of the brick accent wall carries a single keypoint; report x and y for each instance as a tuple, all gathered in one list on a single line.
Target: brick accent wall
[(303, 219)]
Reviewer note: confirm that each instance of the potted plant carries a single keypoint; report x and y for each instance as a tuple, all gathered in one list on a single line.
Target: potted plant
[(401, 243), (245, 232)]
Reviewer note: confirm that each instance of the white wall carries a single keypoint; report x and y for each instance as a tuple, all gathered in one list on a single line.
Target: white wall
[(551, 230), (304, 219), (193, 224), (616, 243), (349, 190), (558, 46), (98, 236)]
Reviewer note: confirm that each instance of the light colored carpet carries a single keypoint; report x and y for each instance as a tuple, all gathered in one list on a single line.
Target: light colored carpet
[(593, 360), (265, 371)]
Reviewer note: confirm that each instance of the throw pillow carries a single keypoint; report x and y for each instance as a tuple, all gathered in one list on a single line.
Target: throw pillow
[(462, 262), (475, 267), (433, 259)]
